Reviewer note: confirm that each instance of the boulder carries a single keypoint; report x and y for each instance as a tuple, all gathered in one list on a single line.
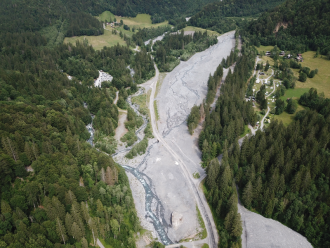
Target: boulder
[(176, 219)]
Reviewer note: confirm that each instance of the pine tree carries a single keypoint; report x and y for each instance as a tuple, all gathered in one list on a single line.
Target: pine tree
[(84, 211), (28, 151), (35, 150), (76, 231), (68, 223), (257, 188), (70, 198), (237, 228), (58, 208), (84, 243), (5, 207), (75, 213), (93, 228), (114, 227), (248, 194), (19, 141), (60, 229), (202, 111), (228, 220), (212, 173), (296, 181), (225, 178), (218, 210), (10, 148)]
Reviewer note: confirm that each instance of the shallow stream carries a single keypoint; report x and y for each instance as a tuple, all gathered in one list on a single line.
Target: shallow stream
[(151, 199)]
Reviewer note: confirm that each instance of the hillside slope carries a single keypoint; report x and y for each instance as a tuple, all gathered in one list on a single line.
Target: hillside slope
[(214, 15), (295, 25), (78, 14)]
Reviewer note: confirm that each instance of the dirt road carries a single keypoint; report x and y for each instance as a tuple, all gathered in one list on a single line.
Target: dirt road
[(199, 197)]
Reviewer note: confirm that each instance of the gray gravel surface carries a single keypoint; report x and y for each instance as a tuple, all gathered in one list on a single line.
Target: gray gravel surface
[(261, 232)]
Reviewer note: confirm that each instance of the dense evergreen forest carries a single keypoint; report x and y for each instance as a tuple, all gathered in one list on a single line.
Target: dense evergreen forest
[(295, 25), (284, 172), (76, 16), (56, 189), (215, 15), (145, 34), (178, 46), (221, 129), (232, 112)]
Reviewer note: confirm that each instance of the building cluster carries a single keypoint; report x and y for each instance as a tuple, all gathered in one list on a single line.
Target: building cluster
[(299, 57)]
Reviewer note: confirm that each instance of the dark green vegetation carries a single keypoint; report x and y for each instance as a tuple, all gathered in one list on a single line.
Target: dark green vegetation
[(230, 60), (222, 197), (213, 84), (195, 116), (76, 16), (284, 172), (159, 10), (261, 98), (221, 129), (149, 33), (42, 127), (70, 17), (232, 112), (173, 46), (133, 122), (296, 25), (218, 16), (141, 147)]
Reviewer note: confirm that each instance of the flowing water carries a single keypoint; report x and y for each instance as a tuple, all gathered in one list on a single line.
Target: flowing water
[(151, 198)]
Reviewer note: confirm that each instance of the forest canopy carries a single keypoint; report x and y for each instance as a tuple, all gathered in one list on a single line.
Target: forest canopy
[(295, 25)]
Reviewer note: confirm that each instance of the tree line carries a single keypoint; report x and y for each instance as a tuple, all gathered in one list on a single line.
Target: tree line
[(221, 128), (283, 173), (295, 25), (232, 112), (175, 45), (49, 174), (215, 15)]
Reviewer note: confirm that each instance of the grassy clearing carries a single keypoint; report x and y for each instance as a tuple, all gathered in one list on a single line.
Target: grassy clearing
[(108, 39), (161, 78), (140, 21), (203, 233), (105, 244), (285, 117), (156, 110), (143, 102), (205, 246), (98, 42), (196, 29), (264, 48), (246, 131), (321, 81), (106, 16), (294, 93)]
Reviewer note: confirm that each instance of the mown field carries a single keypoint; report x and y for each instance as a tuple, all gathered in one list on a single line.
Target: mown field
[(140, 21), (196, 29), (109, 39), (98, 42), (321, 81)]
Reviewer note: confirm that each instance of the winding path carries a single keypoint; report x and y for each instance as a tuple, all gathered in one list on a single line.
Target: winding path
[(268, 108)]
